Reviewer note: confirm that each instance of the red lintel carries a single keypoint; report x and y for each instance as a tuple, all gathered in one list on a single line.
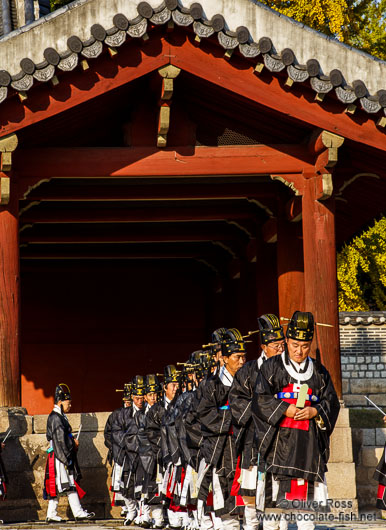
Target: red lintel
[(149, 161)]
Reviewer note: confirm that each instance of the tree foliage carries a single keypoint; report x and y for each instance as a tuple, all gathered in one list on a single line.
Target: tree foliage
[(55, 4), (361, 269), (327, 16), (366, 26), (359, 23)]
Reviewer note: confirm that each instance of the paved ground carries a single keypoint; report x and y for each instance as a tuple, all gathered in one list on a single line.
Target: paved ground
[(377, 524)]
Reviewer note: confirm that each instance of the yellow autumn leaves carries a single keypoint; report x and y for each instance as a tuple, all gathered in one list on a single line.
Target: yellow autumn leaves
[(361, 268)]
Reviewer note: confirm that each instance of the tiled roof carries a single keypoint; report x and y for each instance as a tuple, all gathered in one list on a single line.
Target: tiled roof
[(170, 12), (362, 318)]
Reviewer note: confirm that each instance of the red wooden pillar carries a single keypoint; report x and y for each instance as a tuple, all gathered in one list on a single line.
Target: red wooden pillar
[(9, 303), (320, 275), (290, 267)]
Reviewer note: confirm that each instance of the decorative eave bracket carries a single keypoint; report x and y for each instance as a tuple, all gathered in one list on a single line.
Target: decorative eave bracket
[(325, 145), (168, 74), (8, 145)]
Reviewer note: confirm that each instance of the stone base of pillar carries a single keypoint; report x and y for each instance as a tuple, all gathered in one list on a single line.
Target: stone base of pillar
[(341, 477)]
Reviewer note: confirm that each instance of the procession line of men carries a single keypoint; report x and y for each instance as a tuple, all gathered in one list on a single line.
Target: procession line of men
[(219, 440), (224, 439)]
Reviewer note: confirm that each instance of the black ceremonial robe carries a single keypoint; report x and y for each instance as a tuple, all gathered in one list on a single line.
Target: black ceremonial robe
[(63, 449), (3, 478), (294, 449), (153, 426), (125, 436), (240, 401), (218, 445), (380, 477)]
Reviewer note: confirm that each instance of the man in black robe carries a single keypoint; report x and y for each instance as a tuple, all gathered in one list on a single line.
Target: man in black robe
[(62, 471), (218, 464), (125, 436), (380, 477), (295, 408), (240, 401), (149, 510), (126, 402), (157, 436)]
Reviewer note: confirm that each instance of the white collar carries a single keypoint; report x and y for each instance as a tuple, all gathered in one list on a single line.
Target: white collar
[(261, 359), (136, 409), (225, 377), (58, 409), (167, 401), (294, 373)]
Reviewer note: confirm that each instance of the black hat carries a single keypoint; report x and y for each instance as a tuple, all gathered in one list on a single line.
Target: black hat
[(62, 392), (218, 335), (127, 389), (171, 374), (138, 386), (270, 328), (301, 326), (152, 384), (233, 342)]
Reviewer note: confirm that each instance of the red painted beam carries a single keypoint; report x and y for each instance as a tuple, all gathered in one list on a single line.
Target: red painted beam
[(135, 215), (95, 162), (146, 233), (164, 192), (269, 91)]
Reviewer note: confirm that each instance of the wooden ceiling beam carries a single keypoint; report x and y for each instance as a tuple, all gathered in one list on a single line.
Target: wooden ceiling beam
[(136, 215), (162, 192), (94, 162), (147, 233)]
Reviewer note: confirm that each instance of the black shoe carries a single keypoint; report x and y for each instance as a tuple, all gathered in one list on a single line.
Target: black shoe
[(145, 524), (158, 527), (128, 522)]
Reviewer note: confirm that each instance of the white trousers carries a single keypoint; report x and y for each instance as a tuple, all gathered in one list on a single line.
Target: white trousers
[(177, 519), (217, 522), (131, 506), (275, 523), (250, 515), (158, 515), (230, 522), (74, 502)]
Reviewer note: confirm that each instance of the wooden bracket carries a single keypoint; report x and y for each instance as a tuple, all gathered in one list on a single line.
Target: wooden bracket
[(168, 74), (325, 145), (5, 191), (7, 145)]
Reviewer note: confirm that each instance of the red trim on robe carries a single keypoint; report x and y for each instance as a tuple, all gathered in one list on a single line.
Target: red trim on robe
[(381, 491), (302, 425), (81, 492), (297, 492), (50, 481), (236, 485)]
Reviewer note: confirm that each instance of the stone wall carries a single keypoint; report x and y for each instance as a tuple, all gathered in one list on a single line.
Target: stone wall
[(25, 457), (368, 446), (363, 357)]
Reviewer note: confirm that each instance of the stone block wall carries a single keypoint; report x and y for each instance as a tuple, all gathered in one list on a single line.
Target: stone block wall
[(363, 357), (25, 457), (368, 446)]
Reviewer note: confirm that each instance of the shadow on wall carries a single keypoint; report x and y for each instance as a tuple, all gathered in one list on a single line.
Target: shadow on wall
[(92, 458), (22, 465)]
